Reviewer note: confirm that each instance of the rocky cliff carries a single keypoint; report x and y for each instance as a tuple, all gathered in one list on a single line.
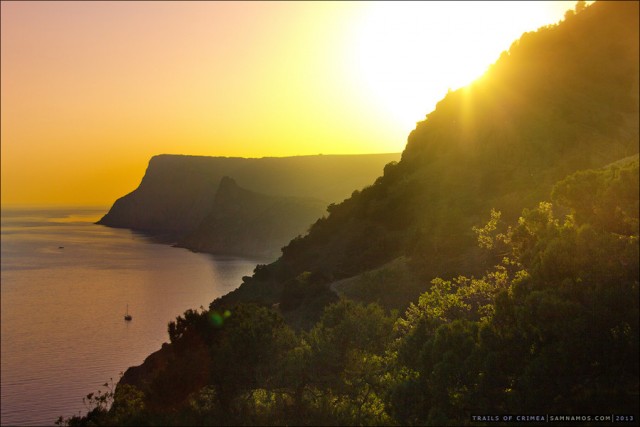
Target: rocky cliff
[(178, 192), (244, 222)]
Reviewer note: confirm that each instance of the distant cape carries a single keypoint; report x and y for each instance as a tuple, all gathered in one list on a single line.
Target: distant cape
[(240, 206)]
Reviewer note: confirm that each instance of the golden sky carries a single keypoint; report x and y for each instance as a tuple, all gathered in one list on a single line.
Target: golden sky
[(92, 90)]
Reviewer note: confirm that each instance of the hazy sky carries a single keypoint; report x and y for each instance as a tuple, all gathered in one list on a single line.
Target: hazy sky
[(92, 90)]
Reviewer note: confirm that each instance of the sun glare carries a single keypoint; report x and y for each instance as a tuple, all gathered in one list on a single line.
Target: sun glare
[(408, 53), (92, 90)]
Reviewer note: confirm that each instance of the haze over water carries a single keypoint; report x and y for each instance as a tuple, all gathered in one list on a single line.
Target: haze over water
[(65, 286)]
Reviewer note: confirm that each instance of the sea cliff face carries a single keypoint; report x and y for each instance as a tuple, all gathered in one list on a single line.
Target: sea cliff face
[(174, 196), (249, 223), (260, 206)]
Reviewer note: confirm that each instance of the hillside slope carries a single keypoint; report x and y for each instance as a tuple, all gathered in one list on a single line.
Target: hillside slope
[(562, 99), (248, 223), (553, 328), (550, 326)]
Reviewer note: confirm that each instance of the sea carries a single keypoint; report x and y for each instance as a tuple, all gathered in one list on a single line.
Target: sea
[(66, 284)]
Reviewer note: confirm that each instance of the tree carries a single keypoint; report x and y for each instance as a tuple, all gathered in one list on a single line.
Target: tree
[(552, 329)]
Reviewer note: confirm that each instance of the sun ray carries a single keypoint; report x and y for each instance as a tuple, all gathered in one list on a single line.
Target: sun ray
[(407, 54)]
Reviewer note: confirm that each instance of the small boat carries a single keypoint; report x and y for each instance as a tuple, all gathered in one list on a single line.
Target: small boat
[(127, 316)]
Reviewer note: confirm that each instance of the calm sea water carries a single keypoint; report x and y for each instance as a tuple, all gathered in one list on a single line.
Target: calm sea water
[(65, 287)]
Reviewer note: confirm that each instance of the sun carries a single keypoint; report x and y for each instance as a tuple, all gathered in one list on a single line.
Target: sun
[(407, 55)]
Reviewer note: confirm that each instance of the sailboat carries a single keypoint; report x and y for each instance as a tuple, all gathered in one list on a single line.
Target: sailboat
[(127, 316)]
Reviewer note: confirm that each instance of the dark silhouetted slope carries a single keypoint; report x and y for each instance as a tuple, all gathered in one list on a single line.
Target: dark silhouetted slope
[(564, 98), (552, 329), (177, 192), (247, 223)]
